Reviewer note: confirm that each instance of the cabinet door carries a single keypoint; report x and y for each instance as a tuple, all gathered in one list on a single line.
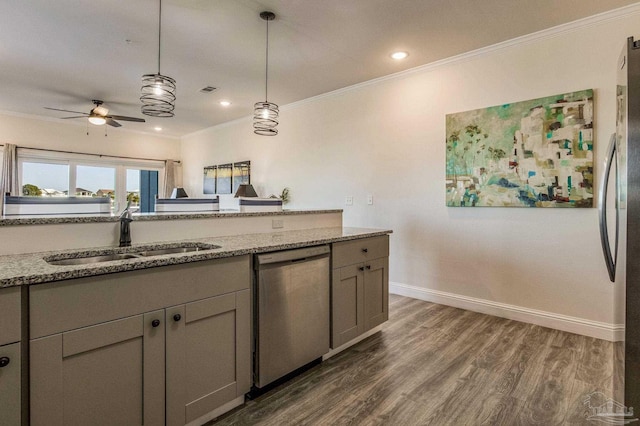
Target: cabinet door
[(107, 374), (376, 292), (208, 355), (10, 384), (347, 312)]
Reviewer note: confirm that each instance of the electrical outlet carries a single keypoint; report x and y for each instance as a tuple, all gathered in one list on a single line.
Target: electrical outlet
[(277, 223), (348, 200), (370, 199)]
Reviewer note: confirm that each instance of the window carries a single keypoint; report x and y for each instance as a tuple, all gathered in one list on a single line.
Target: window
[(45, 179), (53, 174)]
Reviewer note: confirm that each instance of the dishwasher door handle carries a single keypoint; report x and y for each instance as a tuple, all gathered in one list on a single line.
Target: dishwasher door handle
[(287, 256)]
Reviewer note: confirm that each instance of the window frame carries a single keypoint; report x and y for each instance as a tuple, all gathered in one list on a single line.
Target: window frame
[(72, 160)]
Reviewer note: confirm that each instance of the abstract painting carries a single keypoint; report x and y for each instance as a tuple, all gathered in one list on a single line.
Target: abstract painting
[(536, 153)]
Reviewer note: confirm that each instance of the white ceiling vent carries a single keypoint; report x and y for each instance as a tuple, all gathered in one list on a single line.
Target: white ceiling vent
[(208, 89)]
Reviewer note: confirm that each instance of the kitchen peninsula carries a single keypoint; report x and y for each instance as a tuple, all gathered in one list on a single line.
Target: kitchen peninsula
[(165, 337)]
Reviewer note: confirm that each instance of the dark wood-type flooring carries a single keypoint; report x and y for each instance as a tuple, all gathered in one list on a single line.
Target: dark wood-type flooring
[(437, 365)]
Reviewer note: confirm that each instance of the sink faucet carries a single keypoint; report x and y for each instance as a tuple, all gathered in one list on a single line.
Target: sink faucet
[(125, 226)]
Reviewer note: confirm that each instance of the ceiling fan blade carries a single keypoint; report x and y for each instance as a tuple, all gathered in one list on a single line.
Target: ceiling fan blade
[(112, 122), (66, 110), (75, 116), (125, 118)]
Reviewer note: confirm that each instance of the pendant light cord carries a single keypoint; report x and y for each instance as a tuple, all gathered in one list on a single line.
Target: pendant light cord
[(266, 68), (159, 33)]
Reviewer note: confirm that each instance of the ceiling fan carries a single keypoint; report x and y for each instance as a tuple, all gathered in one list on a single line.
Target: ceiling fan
[(99, 115)]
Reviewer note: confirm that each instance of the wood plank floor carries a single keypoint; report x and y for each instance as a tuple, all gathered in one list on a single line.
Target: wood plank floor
[(437, 365)]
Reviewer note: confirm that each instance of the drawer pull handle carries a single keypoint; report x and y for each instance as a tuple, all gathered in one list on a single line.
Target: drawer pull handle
[(155, 323), (4, 361), (365, 250), (177, 317)]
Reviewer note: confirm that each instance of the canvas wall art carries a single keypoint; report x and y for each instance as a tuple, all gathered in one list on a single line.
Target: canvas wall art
[(241, 174), (223, 181), (209, 183), (536, 153)]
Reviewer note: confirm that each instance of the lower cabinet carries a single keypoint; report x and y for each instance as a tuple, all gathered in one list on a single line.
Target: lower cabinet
[(208, 355), (10, 356), (359, 291), (10, 411), (167, 366), (107, 374)]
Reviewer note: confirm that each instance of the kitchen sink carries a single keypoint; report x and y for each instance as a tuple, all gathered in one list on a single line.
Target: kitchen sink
[(87, 259), (92, 259)]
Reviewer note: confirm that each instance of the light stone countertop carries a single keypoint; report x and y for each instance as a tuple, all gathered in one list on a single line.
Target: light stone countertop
[(31, 268), (153, 216)]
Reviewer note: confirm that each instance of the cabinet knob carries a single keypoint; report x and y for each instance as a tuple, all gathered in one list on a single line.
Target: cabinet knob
[(368, 266), (361, 268), (4, 361), (177, 317), (155, 323), (365, 250)]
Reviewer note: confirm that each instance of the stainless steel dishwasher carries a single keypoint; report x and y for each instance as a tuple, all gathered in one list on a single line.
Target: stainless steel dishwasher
[(292, 311)]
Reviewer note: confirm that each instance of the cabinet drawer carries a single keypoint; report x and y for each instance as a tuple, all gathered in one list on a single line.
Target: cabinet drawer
[(356, 251), (10, 315)]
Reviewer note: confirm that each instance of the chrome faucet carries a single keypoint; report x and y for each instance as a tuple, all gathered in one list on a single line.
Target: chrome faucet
[(125, 226)]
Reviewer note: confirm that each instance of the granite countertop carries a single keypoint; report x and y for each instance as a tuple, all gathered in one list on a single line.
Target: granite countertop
[(31, 268), (154, 216)]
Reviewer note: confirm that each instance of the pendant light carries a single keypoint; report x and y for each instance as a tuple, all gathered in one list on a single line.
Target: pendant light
[(158, 91), (265, 114)]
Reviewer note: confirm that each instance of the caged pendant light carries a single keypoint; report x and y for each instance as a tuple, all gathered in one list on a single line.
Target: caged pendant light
[(158, 91), (265, 114)]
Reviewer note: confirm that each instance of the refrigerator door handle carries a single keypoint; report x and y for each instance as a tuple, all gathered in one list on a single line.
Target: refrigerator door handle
[(602, 210)]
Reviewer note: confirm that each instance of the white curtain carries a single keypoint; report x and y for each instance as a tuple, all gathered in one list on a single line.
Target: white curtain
[(172, 177), (9, 177)]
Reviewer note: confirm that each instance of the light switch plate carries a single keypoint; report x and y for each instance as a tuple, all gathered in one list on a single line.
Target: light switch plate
[(370, 199)]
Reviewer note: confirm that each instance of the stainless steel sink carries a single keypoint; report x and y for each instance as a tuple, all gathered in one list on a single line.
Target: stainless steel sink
[(69, 259), (92, 259)]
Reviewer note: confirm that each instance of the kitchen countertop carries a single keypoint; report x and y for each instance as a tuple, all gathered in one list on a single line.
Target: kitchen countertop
[(154, 216), (31, 268)]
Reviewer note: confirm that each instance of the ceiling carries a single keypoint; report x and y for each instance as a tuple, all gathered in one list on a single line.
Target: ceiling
[(64, 53)]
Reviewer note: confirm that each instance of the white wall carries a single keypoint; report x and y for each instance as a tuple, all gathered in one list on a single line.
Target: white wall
[(386, 138), (31, 132)]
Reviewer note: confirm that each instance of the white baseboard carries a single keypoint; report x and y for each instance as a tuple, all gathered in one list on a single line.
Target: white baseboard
[(600, 330)]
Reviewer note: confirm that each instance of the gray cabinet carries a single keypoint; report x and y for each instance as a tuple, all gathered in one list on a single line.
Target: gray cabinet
[(359, 287), (10, 357), (107, 374), (172, 344), (208, 355)]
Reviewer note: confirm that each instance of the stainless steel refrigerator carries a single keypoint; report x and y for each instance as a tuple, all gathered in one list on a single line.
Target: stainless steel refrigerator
[(619, 205)]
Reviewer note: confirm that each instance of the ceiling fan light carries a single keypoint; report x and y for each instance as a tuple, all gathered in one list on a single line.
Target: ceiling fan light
[(97, 120)]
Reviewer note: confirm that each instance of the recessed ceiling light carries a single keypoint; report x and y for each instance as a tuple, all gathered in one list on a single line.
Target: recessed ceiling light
[(225, 103), (399, 55), (157, 129)]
